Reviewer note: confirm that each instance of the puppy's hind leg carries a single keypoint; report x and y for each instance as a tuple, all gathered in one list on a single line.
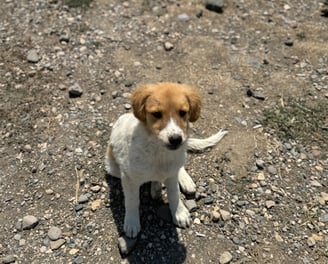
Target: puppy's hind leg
[(111, 166), (186, 183)]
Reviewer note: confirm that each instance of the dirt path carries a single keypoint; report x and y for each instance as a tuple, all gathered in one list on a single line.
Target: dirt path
[(66, 73)]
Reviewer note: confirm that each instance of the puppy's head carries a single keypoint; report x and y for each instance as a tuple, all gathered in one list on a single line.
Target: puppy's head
[(166, 109)]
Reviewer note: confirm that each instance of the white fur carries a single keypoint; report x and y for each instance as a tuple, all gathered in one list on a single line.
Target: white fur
[(138, 157)]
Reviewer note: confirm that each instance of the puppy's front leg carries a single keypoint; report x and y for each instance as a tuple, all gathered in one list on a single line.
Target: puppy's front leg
[(131, 200), (180, 213)]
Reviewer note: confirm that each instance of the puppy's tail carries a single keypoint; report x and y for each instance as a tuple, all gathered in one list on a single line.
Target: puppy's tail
[(195, 144)]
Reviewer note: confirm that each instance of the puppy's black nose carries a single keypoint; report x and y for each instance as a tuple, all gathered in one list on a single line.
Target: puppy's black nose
[(175, 141)]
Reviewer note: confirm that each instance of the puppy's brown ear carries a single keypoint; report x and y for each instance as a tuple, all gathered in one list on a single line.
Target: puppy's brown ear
[(194, 103), (138, 101)]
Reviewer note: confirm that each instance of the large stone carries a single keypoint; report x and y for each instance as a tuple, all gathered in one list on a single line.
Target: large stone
[(215, 5), (54, 233), (225, 257), (29, 222), (32, 56)]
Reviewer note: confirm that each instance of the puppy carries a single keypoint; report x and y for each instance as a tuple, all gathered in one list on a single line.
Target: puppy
[(151, 145)]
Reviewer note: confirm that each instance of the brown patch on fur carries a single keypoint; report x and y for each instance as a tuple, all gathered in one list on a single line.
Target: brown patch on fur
[(156, 104)]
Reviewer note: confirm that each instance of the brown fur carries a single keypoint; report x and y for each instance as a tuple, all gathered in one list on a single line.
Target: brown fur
[(168, 99)]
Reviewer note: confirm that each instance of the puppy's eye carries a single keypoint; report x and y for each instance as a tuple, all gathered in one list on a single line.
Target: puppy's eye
[(157, 115), (182, 113)]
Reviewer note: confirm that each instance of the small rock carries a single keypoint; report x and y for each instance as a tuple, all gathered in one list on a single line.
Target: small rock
[(261, 176), (225, 215), (289, 42), (49, 191), (215, 5), (272, 170), (29, 222), (208, 200), (83, 198), (126, 245), (95, 188), (225, 257), (310, 242), (9, 259), (191, 205), (269, 204), (288, 146), (75, 91), (278, 237), (73, 251), (258, 95), (78, 207), (315, 183), (316, 153), (168, 46), (183, 17), (54, 233), (260, 164), (32, 56), (57, 244), (78, 260), (127, 106), (323, 218), (197, 221)]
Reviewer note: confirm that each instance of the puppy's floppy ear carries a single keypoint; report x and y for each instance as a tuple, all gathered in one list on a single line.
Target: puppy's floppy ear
[(138, 101), (194, 103)]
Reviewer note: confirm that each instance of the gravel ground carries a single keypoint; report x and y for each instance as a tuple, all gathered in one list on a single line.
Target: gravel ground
[(67, 69)]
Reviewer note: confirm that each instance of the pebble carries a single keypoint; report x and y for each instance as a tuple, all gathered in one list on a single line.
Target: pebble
[(75, 90), (9, 259), (78, 207), (324, 218), (310, 242), (269, 204), (191, 205), (225, 257), (272, 170), (95, 188), (57, 244), (260, 164), (54, 233), (289, 42), (315, 183), (78, 260), (183, 17), (29, 222), (215, 5), (168, 46), (208, 200), (126, 245), (225, 215), (127, 106), (261, 176), (32, 56), (84, 198)]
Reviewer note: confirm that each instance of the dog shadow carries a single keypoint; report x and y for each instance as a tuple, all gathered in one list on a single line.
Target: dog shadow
[(158, 241)]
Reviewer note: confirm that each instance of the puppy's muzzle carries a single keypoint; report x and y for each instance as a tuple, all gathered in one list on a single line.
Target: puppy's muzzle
[(175, 141)]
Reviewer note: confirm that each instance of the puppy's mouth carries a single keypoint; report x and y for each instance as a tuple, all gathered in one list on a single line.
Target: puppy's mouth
[(173, 147)]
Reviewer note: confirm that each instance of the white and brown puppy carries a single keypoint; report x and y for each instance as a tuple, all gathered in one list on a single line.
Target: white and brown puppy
[(151, 145)]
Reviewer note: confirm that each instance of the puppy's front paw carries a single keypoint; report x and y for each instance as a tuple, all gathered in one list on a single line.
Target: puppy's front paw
[(131, 227), (182, 217), (186, 183)]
